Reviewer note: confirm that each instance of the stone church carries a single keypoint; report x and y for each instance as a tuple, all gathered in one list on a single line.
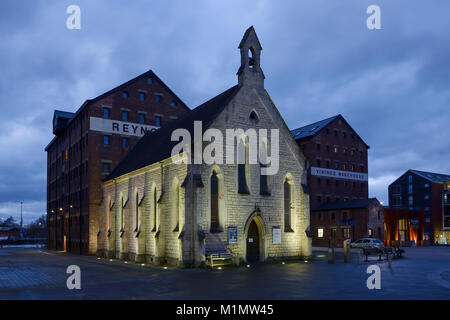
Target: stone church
[(159, 210)]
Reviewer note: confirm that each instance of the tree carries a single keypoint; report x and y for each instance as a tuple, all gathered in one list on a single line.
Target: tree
[(10, 222)]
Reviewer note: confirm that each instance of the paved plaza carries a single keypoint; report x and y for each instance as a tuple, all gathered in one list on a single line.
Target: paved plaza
[(33, 273)]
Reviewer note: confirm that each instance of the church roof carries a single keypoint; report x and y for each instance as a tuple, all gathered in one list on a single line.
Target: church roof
[(157, 145)]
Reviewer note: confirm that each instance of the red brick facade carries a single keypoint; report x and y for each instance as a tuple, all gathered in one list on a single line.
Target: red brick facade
[(76, 157), (336, 147), (338, 225)]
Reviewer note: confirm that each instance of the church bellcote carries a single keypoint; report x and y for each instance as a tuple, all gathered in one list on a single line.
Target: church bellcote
[(250, 72)]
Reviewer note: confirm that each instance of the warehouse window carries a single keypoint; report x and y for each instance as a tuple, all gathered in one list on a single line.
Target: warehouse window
[(106, 140), (142, 96), (106, 113), (125, 142), (173, 103), (125, 94), (149, 80), (106, 167), (158, 99), (141, 118), (320, 233), (158, 121), (124, 115)]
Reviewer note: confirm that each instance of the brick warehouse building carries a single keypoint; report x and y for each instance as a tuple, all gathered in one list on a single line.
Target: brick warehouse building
[(337, 172), (428, 192), (88, 144), (336, 222), (338, 161)]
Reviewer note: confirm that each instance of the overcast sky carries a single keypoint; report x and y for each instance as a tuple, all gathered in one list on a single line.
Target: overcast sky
[(319, 59)]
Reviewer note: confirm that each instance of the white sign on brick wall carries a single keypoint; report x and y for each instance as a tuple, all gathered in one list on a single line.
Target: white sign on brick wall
[(119, 127), (339, 174)]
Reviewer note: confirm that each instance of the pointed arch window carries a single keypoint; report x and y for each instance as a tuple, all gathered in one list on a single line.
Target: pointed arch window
[(263, 178), (243, 167), (254, 117), (177, 208), (137, 215), (287, 205), (251, 58), (154, 209), (214, 186)]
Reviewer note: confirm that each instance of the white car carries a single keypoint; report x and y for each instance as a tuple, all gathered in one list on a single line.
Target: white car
[(366, 243)]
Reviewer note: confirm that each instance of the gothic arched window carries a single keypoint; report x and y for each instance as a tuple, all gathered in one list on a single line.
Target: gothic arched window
[(214, 186), (137, 213), (287, 205), (177, 208), (251, 58), (243, 167), (154, 209)]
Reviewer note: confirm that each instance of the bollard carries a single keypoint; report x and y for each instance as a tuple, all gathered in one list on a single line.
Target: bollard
[(389, 260), (347, 251), (330, 256)]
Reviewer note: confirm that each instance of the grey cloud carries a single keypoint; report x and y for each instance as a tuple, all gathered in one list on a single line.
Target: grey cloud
[(392, 85)]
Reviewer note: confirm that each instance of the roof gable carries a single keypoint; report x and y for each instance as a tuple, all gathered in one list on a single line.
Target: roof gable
[(148, 73), (250, 32)]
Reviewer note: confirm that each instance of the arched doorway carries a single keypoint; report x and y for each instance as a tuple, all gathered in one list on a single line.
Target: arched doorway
[(253, 242)]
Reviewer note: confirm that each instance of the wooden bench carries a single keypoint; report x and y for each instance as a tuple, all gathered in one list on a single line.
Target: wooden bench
[(371, 251), (224, 256)]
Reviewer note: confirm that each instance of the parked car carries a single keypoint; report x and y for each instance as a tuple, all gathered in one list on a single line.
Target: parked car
[(366, 243)]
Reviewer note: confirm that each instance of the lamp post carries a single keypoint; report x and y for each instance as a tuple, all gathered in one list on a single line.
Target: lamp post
[(21, 220)]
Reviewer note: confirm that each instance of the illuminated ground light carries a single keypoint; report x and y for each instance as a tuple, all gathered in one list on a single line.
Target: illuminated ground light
[(143, 264), (165, 268), (283, 262), (220, 268), (306, 261), (248, 266), (98, 258), (126, 261), (110, 259)]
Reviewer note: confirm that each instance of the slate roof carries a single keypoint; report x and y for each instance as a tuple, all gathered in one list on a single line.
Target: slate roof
[(351, 204), (157, 145), (431, 176), (148, 73), (314, 128), (64, 114), (311, 129)]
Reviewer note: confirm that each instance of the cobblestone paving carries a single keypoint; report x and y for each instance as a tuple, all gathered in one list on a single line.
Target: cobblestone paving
[(40, 274)]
